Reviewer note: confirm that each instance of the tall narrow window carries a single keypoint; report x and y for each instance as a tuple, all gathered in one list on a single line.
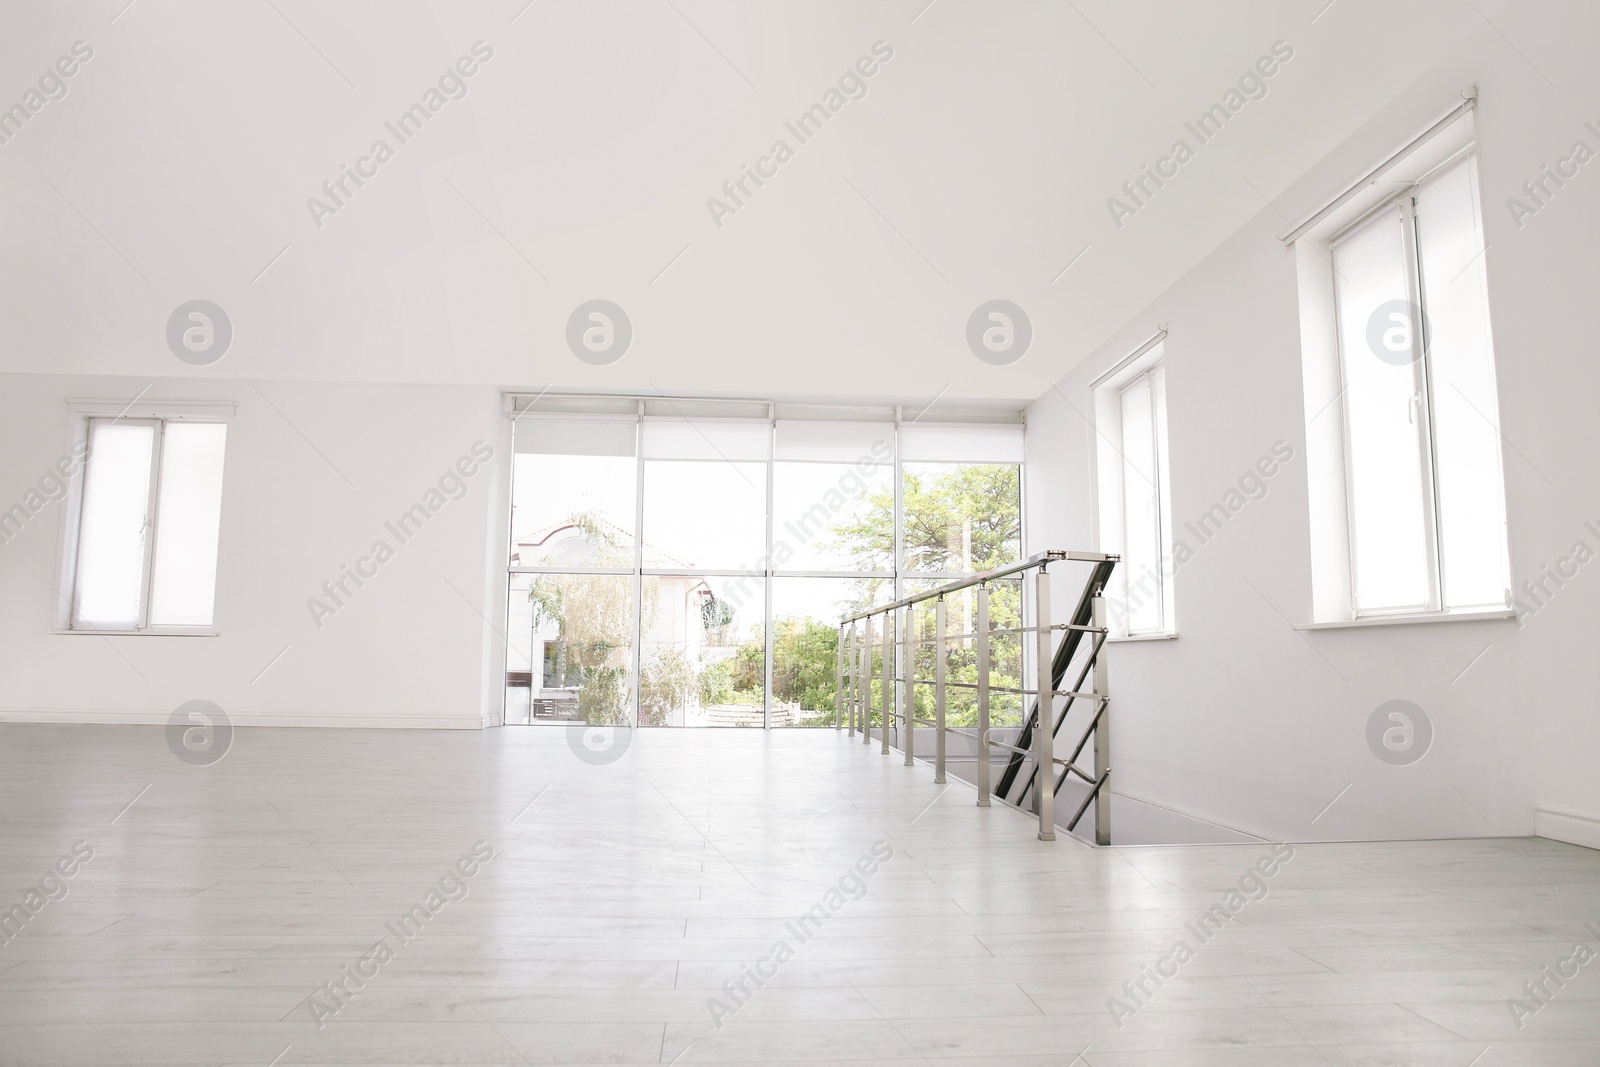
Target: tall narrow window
[(146, 549), (1135, 510), (1423, 479), (1144, 518)]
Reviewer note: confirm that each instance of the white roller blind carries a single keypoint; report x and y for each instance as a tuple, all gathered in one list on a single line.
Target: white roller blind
[(112, 533), (724, 439), (834, 442), (1472, 515), (961, 443), (188, 521), (575, 437), (1383, 405)]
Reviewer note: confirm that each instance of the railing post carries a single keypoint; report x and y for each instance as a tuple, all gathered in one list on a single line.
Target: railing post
[(938, 691), (866, 682), (854, 667), (982, 639), (888, 677), (1102, 734), (838, 681), (1044, 764), (909, 697), (855, 682)]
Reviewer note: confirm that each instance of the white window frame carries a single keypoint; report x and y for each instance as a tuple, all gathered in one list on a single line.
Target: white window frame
[(1148, 362), (993, 434), (1393, 184), (81, 415)]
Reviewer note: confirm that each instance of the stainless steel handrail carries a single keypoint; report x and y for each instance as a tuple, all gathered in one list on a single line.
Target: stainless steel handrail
[(859, 644), (1038, 559)]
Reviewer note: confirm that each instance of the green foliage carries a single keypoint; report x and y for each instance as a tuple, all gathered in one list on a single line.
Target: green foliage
[(961, 657), (804, 659), (594, 617), (957, 517), (716, 683), (665, 683), (749, 673), (715, 613), (946, 506)]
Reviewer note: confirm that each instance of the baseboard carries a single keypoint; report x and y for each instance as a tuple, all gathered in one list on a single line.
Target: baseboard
[(93, 717), (1560, 824)]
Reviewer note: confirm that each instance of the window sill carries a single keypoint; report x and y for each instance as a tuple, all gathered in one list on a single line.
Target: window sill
[(1142, 637), (196, 631), (1410, 620)]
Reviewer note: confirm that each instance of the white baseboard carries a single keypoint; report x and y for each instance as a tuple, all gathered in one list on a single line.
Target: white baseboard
[(92, 717), (1560, 824)]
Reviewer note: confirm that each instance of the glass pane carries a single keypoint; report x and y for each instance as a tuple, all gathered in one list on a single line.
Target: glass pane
[(701, 513), (572, 510), (832, 516), (1472, 507), (188, 515), (1388, 520), (805, 638), (569, 649), (961, 656), (959, 517), (1142, 511), (703, 651), (111, 536)]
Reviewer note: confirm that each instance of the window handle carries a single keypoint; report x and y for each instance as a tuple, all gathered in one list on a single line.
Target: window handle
[(1412, 406)]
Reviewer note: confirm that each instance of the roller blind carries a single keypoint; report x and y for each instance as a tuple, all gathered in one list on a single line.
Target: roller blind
[(834, 442), (961, 443), (739, 440), (575, 437)]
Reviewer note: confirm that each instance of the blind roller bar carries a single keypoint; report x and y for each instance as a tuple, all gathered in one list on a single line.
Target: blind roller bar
[(1159, 336), (1367, 179)]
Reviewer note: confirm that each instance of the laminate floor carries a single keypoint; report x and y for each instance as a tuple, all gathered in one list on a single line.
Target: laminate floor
[(320, 896)]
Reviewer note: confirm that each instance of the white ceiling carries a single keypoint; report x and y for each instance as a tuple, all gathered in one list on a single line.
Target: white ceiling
[(578, 166)]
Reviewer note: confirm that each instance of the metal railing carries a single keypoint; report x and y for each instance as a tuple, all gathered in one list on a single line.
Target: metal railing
[(888, 634)]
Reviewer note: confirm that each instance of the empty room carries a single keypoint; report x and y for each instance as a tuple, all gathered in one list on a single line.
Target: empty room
[(990, 533)]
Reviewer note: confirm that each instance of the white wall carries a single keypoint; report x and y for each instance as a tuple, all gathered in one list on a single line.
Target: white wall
[(1244, 721), (312, 474)]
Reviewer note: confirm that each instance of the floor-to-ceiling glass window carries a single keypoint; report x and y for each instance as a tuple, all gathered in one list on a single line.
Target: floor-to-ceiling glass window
[(686, 563), (570, 616), (961, 513), (833, 539), (703, 659)]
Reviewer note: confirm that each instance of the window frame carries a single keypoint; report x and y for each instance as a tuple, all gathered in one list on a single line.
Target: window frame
[(895, 420), (1424, 376), (82, 415), (1111, 497), (1448, 142)]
